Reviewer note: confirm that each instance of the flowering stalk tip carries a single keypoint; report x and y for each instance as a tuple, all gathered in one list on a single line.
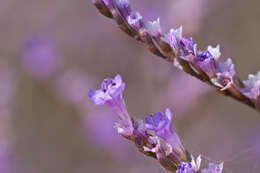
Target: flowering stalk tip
[(111, 93)]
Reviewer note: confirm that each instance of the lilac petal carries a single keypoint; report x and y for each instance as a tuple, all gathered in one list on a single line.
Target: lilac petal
[(207, 63), (124, 7), (154, 28), (188, 46), (98, 97), (135, 20), (214, 168), (215, 52), (174, 37)]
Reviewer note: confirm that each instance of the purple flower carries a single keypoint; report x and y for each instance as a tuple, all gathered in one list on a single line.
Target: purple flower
[(174, 37), (111, 93), (207, 63), (214, 168), (111, 90), (252, 86), (188, 49), (215, 52), (154, 28), (124, 7), (135, 20), (186, 167), (190, 167), (161, 124), (225, 72)]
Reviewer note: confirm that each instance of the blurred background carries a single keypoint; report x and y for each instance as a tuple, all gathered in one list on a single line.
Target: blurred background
[(54, 51)]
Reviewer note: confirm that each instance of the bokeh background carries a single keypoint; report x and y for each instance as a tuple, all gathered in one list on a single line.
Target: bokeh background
[(53, 51)]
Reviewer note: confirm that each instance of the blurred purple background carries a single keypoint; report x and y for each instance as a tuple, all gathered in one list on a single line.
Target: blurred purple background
[(52, 52)]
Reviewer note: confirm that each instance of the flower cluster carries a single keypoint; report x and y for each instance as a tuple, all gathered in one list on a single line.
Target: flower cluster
[(252, 89), (163, 144), (206, 65)]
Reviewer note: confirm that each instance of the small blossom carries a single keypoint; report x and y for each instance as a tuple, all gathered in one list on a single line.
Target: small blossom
[(111, 93), (225, 72), (110, 90), (188, 47), (135, 20), (161, 124), (215, 52), (207, 63), (174, 37), (252, 86), (154, 28), (190, 167), (124, 7), (214, 168), (186, 167)]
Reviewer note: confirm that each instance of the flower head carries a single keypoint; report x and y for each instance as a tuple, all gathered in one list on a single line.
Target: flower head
[(186, 167), (207, 63), (174, 37), (252, 86), (190, 167), (124, 7), (161, 124), (154, 28), (111, 93), (135, 20), (188, 46), (214, 168), (215, 52), (110, 90), (225, 72)]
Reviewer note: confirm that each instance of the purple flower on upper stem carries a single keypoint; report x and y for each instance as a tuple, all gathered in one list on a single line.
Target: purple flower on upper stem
[(161, 124), (225, 72), (124, 7), (174, 37), (214, 168), (188, 48), (135, 20), (207, 63), (252, 86), (111, 93), (154, 28), (215, 52)]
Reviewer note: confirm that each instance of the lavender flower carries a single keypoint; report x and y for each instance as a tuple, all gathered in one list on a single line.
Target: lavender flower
[(190, 167), (225, 72), (188, 46), (214, 168), (252, 88), (111, 93), (124, 7), (135, 20), (174, 37), (215, 52), (207, 63), (154, 28), (161, 124)]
